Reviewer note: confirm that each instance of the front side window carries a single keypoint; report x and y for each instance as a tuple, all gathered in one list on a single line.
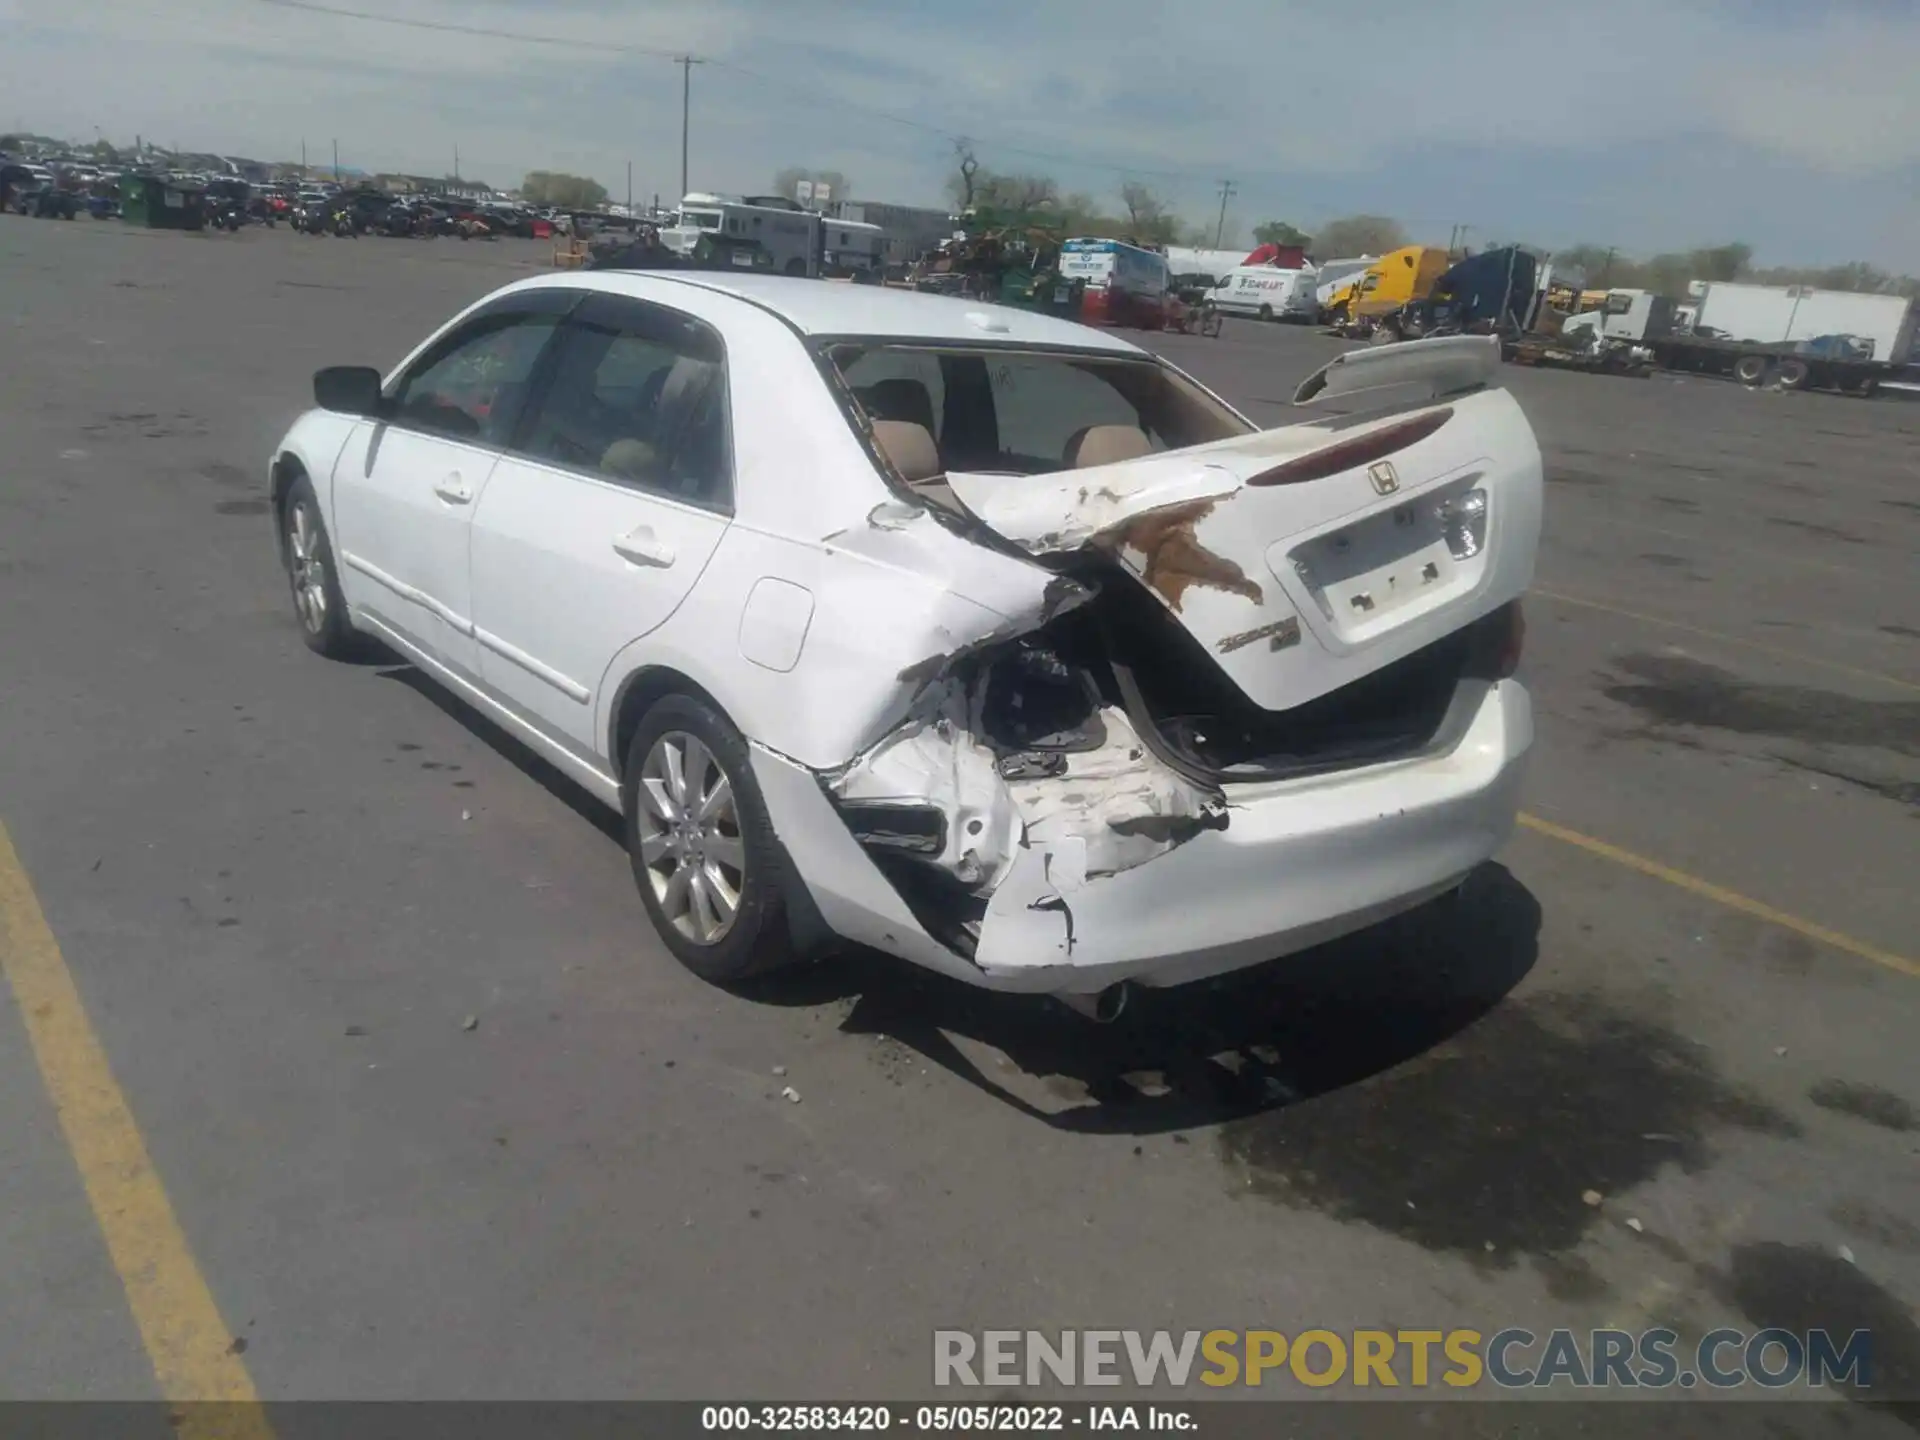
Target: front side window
[(1031, 411), (638, 397), (473, 385)]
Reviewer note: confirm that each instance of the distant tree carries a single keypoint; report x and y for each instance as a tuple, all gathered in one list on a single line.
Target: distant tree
[(966, 166), (1147, 217), (1279, 232), (1014, 192), (1358, 235), (1142, 205), (569, 192), (1721, 262)]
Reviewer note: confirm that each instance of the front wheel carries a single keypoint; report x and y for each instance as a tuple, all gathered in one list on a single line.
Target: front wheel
[(317, 602), (711, 872)]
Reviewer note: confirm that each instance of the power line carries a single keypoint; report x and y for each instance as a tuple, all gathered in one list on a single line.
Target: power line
[(681, 58), (451, 28)]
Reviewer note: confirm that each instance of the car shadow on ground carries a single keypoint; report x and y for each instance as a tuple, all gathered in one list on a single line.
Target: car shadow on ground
[(543, 772), (1198, 1055), (1213, 1051)]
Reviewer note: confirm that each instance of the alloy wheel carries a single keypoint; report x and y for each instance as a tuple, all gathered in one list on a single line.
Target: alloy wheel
[(690, 841), (306, 569)]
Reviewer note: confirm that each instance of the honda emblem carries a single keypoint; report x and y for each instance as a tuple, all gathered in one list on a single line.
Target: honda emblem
[(1385, 480)]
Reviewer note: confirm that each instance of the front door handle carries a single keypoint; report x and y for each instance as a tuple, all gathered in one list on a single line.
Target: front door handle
[(641, 546), (454, 489)]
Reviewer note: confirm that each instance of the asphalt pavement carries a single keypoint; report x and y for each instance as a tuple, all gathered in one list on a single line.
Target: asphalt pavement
[(283, 888)]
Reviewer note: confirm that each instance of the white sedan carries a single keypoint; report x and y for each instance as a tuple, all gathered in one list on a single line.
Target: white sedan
[(965, 633)]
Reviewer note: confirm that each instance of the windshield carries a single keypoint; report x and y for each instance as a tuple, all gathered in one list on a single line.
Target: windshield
[(703, 219), (1030, 411)]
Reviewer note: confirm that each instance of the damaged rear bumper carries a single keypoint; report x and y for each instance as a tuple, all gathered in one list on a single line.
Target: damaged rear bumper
[(1297, 863)]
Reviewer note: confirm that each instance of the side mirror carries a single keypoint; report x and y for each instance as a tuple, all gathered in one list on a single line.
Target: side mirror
[(348, 390)]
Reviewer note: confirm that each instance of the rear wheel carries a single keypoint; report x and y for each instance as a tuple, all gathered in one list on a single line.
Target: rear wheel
[(1793, 374), (1266, 312), (1750, 369), (711, 873)]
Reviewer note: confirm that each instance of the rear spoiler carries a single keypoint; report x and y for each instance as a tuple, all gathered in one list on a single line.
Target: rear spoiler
[(1429, 369)]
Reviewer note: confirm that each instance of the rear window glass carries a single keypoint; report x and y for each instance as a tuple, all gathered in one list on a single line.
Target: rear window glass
[(1030, 411)]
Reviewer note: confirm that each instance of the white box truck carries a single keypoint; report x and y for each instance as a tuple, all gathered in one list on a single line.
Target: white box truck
[(1776, 314)]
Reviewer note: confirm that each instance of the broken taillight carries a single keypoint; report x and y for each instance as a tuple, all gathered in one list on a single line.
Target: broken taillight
[(1463, 522), (1351, 454)]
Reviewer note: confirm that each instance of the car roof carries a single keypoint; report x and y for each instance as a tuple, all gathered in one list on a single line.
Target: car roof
[(830, 308)]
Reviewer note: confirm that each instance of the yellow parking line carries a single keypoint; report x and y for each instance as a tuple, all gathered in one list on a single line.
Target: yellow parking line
[(1719, 894), (1724, 639), (191, 1348)]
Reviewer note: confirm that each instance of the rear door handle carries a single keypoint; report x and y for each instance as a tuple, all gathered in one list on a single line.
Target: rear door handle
[(454, 489), (641, 546)]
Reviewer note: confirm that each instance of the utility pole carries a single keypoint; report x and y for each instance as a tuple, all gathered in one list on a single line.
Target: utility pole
[(336, 162), (1220, 229), (1606, 270), (456, 164), (303, 158), (686, 63)]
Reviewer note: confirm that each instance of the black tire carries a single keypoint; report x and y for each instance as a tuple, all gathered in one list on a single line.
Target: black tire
[(758, 939), (1750, 369), (1266, 312), (1793, 374), (324, 628)]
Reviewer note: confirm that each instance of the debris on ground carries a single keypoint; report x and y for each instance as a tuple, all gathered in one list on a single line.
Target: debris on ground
[(1846, 1253), (779, 1069), (472, 1022), (790, 1094), (1592, 1197), (1635, 1226)]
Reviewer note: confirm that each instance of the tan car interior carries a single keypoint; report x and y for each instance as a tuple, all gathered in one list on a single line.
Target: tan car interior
[(901, 413)]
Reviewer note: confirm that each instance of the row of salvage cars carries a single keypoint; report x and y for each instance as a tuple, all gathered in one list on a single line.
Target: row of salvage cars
[(961, 632)]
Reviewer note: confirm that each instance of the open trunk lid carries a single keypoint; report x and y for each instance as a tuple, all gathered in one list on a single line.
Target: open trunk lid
[(1306, 557)]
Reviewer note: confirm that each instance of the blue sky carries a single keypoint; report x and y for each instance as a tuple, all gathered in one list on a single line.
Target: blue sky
[(1793, 126)]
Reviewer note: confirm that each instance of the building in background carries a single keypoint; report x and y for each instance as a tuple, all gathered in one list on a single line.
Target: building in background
[(907, 231)]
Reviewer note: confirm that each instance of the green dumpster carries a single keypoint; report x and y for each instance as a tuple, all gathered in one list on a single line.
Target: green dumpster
[(162, 204)]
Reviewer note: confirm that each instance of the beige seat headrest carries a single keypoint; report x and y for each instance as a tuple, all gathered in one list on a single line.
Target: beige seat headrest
[(1106, 445), (909, 448), (630, 460)]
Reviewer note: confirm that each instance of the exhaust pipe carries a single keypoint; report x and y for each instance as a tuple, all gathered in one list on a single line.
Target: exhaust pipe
[(1104, 1006)]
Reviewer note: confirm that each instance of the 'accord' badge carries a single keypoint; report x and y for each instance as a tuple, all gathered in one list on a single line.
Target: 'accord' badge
[(1385, 480)]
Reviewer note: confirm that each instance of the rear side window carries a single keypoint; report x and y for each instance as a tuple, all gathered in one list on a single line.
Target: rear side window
[(638, 396), (1041, 405), (1029, 411)]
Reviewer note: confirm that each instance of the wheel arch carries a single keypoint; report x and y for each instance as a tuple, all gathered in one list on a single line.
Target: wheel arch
[(807, 932), (287, 468), (636, 694)]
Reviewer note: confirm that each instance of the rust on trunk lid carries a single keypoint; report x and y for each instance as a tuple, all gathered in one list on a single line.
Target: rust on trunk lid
[(1175, 558)]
